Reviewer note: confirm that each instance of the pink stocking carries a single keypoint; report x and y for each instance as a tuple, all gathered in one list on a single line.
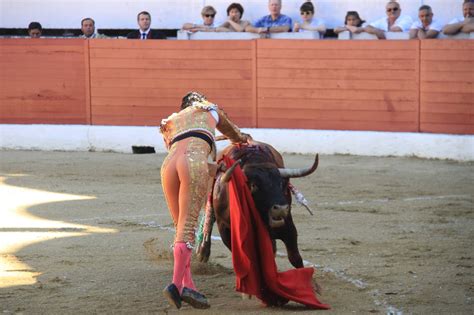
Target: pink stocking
[(188, 278), (182, 258)]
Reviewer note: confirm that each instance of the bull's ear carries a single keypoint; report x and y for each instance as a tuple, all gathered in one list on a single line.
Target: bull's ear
[(221, 167)]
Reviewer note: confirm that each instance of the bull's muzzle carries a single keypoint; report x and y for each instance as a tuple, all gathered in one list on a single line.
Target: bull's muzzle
[(277, 216)]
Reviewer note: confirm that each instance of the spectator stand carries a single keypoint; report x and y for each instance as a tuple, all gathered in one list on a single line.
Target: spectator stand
[(398, 36), (367, 36), (184, 35), (457, 36)]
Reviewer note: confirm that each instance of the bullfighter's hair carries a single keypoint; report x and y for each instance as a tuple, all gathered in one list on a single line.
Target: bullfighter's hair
[(192, 97)]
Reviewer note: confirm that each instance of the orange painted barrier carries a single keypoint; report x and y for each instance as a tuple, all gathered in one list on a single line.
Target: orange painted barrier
[(447, 86), (407, 86), (140, 82), (357, 85), (43, 81)]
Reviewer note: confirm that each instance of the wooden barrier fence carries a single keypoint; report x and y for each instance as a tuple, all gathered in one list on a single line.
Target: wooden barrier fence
[(408, 86), (44, 81), (447, 86)]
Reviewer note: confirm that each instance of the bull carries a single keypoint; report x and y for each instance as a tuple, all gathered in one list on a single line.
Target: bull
[(268, 181)]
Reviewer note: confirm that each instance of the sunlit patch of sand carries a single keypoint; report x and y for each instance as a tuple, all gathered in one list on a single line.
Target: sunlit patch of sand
[(19, 228)]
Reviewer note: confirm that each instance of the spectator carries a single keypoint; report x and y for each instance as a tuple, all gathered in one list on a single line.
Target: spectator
[(462, 25), (235, 11), (310, 23), (145, 32), (352, 23), (35, 30), (273, 23), (208, 14), (394, 22), (426, 27), (88, 29)]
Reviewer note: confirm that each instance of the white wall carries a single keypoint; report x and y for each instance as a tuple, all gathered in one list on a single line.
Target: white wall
[(171, 14), (121, 139)]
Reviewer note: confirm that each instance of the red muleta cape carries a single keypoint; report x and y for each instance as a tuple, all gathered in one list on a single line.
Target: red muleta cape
[(252, 254)]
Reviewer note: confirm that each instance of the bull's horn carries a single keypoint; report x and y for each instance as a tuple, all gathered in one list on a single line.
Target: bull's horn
[(299, 172), (228, 174)]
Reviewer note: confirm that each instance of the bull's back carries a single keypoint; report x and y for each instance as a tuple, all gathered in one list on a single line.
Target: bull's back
[(238, 151)]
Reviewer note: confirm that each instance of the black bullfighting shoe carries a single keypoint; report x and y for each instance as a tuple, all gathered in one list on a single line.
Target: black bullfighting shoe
[(172, 294), (194, 298)]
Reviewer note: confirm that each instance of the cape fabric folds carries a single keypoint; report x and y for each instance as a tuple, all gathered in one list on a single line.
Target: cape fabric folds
[(252, 254)]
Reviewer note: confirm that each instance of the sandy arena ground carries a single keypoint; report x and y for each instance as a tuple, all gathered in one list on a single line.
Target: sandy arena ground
[(89, 233)]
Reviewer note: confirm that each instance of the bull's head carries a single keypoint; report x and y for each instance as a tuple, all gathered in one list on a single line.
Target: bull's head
[(270, 193), (269, 187)]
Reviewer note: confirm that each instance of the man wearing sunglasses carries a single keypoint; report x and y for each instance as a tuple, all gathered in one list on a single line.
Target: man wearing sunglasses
[(208, 14), (309, 23), (273, 23), (394, 22)]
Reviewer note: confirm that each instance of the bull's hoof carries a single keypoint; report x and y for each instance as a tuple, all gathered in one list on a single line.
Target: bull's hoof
[(203, 252), (202, 258), (246, 296)]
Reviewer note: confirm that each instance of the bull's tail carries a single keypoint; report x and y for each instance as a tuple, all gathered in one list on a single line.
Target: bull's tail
[(203, 248)]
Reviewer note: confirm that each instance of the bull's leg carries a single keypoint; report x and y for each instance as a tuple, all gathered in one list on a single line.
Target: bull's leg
[(291, 243), (203, 250), (224, 232)]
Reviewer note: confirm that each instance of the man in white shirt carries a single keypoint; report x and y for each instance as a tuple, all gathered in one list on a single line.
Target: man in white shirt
[(462, 25), (425, 27), (394, 22)]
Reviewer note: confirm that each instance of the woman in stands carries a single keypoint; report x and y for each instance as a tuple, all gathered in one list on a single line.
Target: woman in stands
[(235, 11), (185, 176), (353, 23)]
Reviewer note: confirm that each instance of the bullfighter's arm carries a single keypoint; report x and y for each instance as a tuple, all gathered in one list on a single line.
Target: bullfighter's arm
[(229, 129)]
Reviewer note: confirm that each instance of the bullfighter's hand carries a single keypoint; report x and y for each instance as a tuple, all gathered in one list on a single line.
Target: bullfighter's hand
[(246, 138)]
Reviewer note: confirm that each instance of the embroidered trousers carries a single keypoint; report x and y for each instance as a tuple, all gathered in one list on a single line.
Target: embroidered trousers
[(185, 179)]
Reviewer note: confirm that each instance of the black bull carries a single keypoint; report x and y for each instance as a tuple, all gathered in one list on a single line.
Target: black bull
[(268, 181)]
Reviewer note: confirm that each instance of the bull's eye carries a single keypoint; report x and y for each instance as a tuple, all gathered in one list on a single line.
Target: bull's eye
[(253, 187)]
